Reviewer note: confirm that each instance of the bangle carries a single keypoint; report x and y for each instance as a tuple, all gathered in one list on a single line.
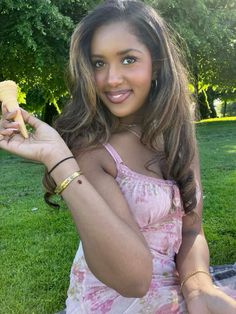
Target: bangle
[(61, 187), (49, 172), (191, 275)]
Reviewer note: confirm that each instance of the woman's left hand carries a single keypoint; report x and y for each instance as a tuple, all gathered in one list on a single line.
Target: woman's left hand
[(44, 145), (210, 301)]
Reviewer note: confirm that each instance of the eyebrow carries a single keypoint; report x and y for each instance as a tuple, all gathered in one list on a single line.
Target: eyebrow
[(120, 53)]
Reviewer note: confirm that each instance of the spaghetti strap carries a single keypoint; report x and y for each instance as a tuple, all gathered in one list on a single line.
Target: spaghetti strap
[(113, 153)]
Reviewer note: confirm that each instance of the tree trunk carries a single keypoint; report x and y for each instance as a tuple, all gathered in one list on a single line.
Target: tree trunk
[(203, 106), (196, 94), (211, 96), (225, 106), (49, 113)]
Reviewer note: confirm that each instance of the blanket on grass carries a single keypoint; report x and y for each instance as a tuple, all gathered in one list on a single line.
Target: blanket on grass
[(222, 276)]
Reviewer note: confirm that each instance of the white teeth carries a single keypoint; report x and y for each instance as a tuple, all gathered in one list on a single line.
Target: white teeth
[(118, 98)]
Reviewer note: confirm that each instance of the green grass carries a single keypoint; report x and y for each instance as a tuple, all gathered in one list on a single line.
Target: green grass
[(217, 144), (37, 246), (218, 119)]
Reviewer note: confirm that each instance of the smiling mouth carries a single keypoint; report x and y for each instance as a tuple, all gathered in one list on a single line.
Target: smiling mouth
[(118, 96)]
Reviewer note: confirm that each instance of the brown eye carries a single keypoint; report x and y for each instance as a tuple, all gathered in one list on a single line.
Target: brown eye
[(129, 60), (98, 64)]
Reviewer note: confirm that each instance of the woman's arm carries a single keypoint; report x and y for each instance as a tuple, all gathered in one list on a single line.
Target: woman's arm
[(194, 253), (199, 292), (114, 248)]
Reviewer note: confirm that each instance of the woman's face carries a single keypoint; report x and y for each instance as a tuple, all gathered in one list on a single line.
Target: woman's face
[(122, 68)]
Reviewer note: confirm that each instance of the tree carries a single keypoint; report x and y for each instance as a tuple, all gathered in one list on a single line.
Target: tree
[(209, 30), (34, 42)]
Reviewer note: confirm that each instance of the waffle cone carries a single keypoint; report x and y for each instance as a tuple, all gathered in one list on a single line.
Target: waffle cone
[(8, 96)]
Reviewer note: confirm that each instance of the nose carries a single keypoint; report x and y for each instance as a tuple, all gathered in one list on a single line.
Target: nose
[(114, 76)]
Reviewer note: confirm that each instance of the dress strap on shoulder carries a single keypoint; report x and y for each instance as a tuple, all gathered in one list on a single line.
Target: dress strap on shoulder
[(113, 153)]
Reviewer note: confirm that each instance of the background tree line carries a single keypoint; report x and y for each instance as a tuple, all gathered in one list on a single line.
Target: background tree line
[(34, 45)]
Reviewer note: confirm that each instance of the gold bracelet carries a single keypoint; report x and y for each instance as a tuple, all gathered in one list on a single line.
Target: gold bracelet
[(61, 187), (192, 274)]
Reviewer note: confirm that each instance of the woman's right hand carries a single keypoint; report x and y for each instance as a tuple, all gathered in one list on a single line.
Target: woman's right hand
[(44, 145)]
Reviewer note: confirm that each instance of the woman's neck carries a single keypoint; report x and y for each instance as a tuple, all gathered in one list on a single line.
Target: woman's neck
[(132, 119), (133, 128)]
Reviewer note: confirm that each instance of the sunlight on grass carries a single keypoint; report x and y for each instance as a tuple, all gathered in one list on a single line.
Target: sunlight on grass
[(218, 119), (231, 151)]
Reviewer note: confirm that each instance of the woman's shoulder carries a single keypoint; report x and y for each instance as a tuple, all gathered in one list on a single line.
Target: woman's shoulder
[(96, 158)]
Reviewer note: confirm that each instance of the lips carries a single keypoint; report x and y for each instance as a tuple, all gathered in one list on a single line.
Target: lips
[(117, 97)]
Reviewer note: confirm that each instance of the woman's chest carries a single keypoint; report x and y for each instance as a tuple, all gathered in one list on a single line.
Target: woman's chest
[(149, 200)]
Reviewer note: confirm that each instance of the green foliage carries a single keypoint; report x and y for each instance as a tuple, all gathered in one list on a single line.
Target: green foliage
[(34, 43), (208, 28)]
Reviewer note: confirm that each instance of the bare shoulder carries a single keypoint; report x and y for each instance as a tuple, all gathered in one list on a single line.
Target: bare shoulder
[(100, 170), (96, 160), (99, 159)]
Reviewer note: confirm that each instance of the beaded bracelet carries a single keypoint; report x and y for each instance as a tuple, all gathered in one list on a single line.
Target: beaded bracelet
[(61, 187), (192, 274)]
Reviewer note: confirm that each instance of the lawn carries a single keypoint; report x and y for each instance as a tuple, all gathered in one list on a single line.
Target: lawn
[(37, 244), (217, 144)]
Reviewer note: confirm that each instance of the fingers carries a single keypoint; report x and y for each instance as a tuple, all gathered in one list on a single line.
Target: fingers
[(9, 132), (7, 121), (28, 118), (31, 120), (7, 115), (8, 124), (8, 127)]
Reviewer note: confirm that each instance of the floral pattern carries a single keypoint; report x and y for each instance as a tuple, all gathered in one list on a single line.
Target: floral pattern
[(157, 208)]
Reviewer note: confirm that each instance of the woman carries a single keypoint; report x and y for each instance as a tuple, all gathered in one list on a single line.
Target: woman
[(124, 159)]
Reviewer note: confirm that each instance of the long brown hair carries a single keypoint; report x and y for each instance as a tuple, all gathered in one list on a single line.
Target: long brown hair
[(86, 122)]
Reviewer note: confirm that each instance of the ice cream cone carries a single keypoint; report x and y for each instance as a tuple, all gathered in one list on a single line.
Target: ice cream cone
[(8, 96)]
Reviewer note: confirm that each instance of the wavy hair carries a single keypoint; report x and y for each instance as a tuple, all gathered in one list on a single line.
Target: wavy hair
[(86, 122)]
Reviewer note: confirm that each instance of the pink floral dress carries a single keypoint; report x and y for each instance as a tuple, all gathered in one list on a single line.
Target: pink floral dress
[(156, 207)]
